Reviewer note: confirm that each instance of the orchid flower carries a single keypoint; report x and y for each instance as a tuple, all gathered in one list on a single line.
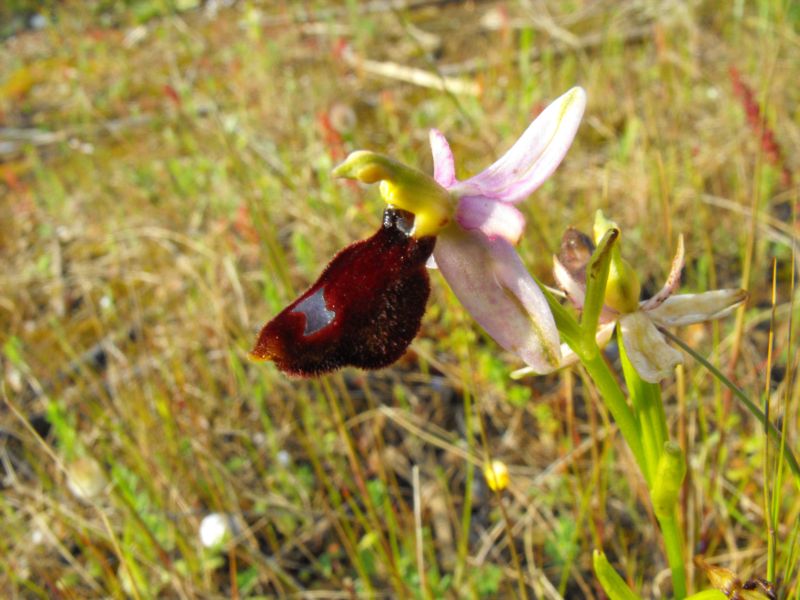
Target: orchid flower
[(638, 322), (366, 307)]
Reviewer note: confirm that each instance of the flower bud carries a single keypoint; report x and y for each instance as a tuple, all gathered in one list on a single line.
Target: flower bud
[(623, 287), (496, 475), (669, 478)]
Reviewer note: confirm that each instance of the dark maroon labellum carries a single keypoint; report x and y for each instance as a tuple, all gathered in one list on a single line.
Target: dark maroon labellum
[(364, 309)]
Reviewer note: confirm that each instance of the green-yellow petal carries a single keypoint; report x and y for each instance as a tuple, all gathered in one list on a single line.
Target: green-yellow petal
[(403, 187)]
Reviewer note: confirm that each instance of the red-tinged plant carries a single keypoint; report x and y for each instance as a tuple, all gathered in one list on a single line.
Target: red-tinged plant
[(752, 109)]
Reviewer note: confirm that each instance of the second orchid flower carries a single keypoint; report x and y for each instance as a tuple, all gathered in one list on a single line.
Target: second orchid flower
[(638, 321)]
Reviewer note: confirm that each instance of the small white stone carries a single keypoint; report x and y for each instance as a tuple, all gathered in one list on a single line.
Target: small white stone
[(284, 458), (38, 21), (134, 36), (37, 537), (214, 529), (14, 379), (85, 478)]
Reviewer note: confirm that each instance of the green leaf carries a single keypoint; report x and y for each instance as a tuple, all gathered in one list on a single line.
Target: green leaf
[(612, 583), (707, 595)]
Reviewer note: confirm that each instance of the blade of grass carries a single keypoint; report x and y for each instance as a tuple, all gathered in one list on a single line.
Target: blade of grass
[(770, 517), (790, 358), (754, 410)]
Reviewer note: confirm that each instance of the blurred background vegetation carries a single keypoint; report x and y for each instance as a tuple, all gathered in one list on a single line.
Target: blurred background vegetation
[(165, 189)]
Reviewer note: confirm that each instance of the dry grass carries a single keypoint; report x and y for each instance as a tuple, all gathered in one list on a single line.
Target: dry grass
[(165, 189)]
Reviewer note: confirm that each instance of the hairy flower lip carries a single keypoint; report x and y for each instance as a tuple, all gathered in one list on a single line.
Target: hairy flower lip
[(363, 310)]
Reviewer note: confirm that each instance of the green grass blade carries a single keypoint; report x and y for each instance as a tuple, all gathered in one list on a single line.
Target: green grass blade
[(754, 410)]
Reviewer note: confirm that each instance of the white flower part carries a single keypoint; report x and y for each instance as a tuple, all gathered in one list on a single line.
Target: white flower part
[(646, 347), (602, 337), (686, 309), (215, 528), (494, 219), (475, 253), (444, 169)]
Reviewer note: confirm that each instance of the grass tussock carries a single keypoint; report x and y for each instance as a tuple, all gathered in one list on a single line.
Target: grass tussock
[(165, 188)]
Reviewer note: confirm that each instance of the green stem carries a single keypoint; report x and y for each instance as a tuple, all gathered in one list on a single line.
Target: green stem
[(673, 543), (594, 363), (668, 519), (649, 410), (614, 399)]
